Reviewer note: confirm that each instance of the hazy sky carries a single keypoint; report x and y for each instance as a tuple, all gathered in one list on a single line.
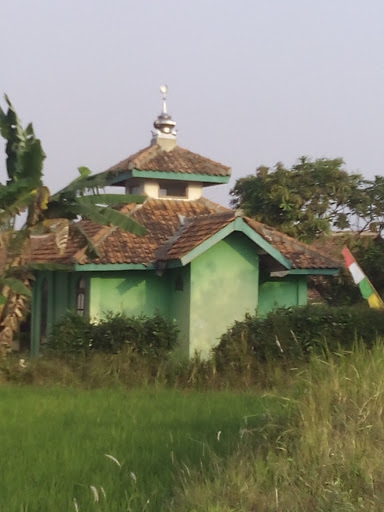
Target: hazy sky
[(250, 82)]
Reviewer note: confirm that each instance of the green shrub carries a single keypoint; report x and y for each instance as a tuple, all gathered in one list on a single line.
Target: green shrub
[(71, 335), (293, 333), (153, 336)]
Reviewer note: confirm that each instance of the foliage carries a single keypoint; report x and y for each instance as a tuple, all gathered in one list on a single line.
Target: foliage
[(24, 193), (292, 334), (71, 335), (149, 336), (316, 442), (311, 198), (321, 450), (340, 290), (369, 253)]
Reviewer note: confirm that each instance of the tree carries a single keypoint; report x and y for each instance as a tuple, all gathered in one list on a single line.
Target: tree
[(24, 195), (308, 199)]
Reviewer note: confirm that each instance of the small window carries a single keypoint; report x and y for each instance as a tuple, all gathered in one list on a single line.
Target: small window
[(173, 190), (179, 284), (135, 190), (80, 296)]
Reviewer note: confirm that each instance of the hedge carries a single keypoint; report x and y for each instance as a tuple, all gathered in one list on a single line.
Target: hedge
[(294, 333), (153, 336)]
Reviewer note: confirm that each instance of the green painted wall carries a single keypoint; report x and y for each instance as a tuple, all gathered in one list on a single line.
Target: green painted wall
[(224, 286), (132, 292), (281, 292), (179, 282), (61, 297)]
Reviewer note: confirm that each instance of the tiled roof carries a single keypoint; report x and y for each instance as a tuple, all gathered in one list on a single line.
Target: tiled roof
[(299, 254), (193, 233), (178, 160), (174, 228), (161, 218), (199, 229)]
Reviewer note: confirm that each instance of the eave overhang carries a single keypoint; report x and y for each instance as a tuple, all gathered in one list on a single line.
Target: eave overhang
[(169, 175), (307, 272), (104, 267)]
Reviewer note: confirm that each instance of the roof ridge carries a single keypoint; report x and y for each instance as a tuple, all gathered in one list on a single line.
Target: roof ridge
[(224, 215), (216, 206), (204, 157), (162, 251), (143, 156), (128, 158)]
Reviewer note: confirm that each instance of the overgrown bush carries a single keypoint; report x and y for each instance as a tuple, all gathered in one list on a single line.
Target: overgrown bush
[(153, 336), (321, 449), (294, 333), (71, 335)]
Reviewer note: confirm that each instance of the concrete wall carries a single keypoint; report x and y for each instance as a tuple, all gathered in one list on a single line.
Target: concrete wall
[(132, 292), (179, 280), (281, 292), (224, 286), (195, 191)]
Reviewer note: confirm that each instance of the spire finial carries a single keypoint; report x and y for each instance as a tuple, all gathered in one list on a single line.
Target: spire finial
[(165, 134), (164, 90)]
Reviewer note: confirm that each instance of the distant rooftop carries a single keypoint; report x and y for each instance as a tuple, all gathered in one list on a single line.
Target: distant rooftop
[(178, 160)]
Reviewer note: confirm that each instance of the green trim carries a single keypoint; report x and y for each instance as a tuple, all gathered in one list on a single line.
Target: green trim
[(237, 225), (259, 240), (167, 175), (92, 267), (314, 271)]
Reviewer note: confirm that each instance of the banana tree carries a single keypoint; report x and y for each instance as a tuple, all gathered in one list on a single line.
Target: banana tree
[(27, 207)]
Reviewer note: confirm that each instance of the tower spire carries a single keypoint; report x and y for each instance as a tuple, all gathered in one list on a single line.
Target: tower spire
[(164, 90), (165, 132)]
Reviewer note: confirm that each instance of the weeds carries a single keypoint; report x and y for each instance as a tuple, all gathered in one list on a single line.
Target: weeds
[(323, 451), (317, 445)]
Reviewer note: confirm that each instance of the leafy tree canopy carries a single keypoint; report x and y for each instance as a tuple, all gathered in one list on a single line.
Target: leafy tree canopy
[(311, 198)]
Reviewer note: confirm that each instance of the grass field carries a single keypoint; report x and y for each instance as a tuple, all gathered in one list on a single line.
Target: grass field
[(54, 441), (315, 442)]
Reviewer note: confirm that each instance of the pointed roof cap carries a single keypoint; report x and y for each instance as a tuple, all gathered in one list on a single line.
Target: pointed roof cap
[(165, 133)]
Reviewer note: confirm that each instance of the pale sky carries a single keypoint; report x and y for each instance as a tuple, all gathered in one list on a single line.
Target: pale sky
[(250, 82)]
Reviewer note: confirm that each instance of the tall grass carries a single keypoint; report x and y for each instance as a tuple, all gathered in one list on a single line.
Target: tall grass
[(324, 451), (131, 370)]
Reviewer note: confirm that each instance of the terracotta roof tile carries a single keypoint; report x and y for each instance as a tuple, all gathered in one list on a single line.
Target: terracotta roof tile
[(300, 255), (178, 160), (161, 218), (193, 233), (199, 229), (174, 228)]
